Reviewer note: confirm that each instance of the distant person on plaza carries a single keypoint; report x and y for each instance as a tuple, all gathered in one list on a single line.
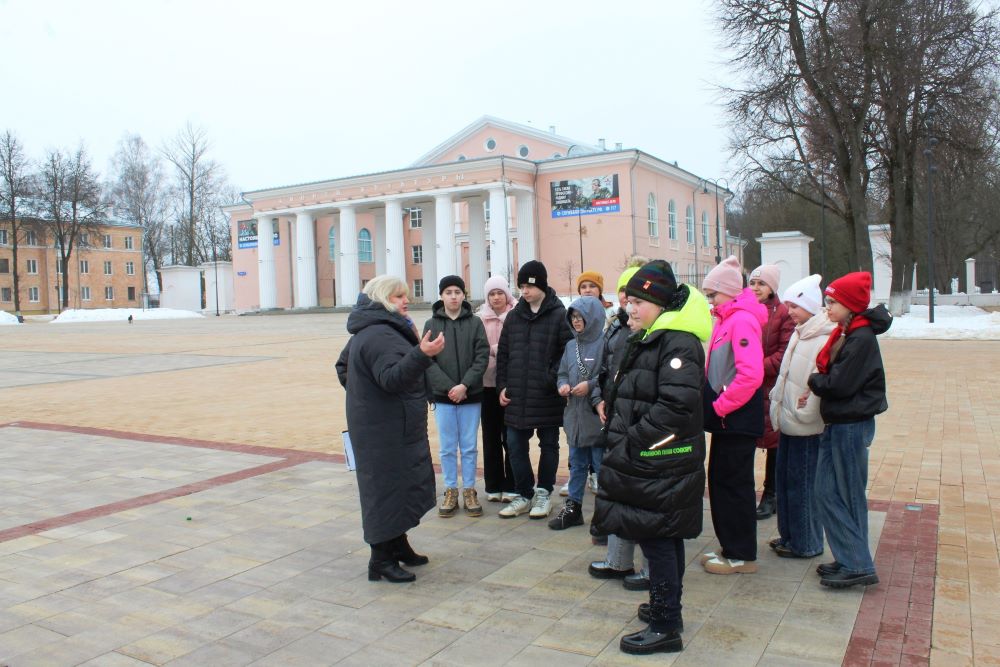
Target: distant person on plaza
[(795, 414), (455, 378), (531, 344), (497, 475), (764, 281), (652, 479), (382, 367), (734, 415), (578, 382), (850, 382)]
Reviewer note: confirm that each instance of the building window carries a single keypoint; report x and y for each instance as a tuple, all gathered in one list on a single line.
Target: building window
[(692, 273), (461, 158), (109, 293), (689, 222), (30, 237), (131, 294), (416, 218), (84, 240), (32, 266), (130, 268), (523, 151), (417, 254), (4, 265), (84, 266), (488, 252), (654, 227), (704, 228), (33, 294), (6, 294), (331, 241), (418, 289), (128, 243), (486, 211), (107, 268), (490, 144), (84, 293), (672, 220), (107, 240), (3, 237), (365, 246)]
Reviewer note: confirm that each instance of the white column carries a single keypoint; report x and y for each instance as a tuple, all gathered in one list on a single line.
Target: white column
[(350, 280), (427, 239), (394, 248), (526, 248), (444, 235), (477, 248), (499, 257), (265, 264), (305, 267), (378, 242)]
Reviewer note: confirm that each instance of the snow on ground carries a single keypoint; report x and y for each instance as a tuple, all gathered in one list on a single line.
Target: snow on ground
[(7, 318), (950, 323), (121, 315)]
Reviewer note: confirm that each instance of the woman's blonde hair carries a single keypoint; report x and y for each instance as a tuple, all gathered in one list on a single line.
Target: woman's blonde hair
[(380, 288)]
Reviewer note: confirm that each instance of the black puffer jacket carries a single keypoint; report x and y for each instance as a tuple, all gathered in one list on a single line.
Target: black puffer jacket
[(854, 388), (644, 493), (531, 345)]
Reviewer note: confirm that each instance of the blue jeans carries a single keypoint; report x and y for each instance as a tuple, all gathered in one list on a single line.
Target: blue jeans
[(520, 464), (795, 484), (621, 555), (580, 461), (841, 477), (458, 427)]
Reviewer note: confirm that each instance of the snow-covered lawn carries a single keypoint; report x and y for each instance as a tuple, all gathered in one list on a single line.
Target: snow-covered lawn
[(7, 318), (950, 323), (121, 315)]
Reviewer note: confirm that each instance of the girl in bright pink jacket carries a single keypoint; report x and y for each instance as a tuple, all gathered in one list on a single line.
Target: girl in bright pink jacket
[(734, 415)]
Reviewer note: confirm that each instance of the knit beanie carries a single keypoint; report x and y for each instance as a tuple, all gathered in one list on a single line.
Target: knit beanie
[(626, 276), (725, 278), (853, 291), (653, 282), (592, 276), (500, 283), (451, 281), (805, 293), (769, 274), (533, 273)]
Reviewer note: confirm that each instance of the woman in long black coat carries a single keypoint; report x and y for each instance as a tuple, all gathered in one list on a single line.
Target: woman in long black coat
[(382, 367)]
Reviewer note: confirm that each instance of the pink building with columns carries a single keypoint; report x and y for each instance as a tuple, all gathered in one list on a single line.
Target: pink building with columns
[(485, 201)]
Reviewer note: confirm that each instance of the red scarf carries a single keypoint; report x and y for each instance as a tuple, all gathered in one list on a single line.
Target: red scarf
[(823, 359)]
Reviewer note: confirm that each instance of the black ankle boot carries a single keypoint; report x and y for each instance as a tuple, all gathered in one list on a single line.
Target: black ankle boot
[(383, 564), (403, 552), (766, 507), (647, 641)]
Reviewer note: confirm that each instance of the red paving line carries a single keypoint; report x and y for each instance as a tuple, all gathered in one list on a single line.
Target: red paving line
[(142, 501), (894, 622)]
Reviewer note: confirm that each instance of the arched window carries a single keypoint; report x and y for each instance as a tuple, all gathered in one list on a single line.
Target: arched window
[(654, 227), (672, 220), (332, 239), (365, 246), (704, 228), (689, 220)]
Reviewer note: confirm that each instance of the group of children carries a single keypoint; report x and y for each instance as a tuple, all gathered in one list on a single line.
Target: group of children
[(635, 393)]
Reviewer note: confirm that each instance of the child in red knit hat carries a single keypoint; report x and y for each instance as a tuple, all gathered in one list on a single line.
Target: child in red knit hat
[(850, 383)]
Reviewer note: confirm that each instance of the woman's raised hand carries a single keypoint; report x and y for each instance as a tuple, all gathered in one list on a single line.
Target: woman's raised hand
[(432, 348)]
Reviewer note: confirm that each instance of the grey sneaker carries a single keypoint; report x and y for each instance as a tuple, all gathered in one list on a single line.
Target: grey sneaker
[(592, 482), (516, 507), (541, 504)]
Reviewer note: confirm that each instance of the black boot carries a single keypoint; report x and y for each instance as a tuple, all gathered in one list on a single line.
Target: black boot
[(647, 641), (766, 507), (642, 613), (402, 551), (383, 564), (570, 515)]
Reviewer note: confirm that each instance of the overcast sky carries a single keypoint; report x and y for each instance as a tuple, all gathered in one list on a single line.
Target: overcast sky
[(296, 91)]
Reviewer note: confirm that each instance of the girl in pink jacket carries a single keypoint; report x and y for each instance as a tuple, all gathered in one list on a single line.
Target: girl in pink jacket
[(497, 475), (734, 415)]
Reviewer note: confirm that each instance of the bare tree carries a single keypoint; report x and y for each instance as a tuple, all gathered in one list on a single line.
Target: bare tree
[(71, 197), (15, 187), (198, 179), (138, 195)]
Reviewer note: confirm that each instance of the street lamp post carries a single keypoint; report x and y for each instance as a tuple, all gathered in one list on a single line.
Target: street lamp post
[(718, 224), (822, 225), (931, 169)]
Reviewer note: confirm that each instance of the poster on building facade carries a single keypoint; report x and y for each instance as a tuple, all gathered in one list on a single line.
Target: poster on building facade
[(584, 196), (246, 234)]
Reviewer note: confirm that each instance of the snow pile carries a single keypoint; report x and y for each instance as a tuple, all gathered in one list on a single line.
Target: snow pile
[(121, 315), (7, 318), (950, 323)]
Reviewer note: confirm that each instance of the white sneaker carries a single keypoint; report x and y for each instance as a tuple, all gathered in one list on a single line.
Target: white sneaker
[(507, 496), (493, 497), (564, 491), (541, 504), (516, 507), (592, 482)]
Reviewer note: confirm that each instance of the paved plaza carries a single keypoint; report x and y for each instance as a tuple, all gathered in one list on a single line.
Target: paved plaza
[(174, 494)]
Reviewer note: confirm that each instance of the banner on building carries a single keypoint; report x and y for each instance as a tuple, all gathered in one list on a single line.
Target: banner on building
[(585, 196), (246, 234)]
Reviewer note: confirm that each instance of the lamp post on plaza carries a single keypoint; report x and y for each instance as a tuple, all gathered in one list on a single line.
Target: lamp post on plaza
[(931, 169), (718, 226)]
